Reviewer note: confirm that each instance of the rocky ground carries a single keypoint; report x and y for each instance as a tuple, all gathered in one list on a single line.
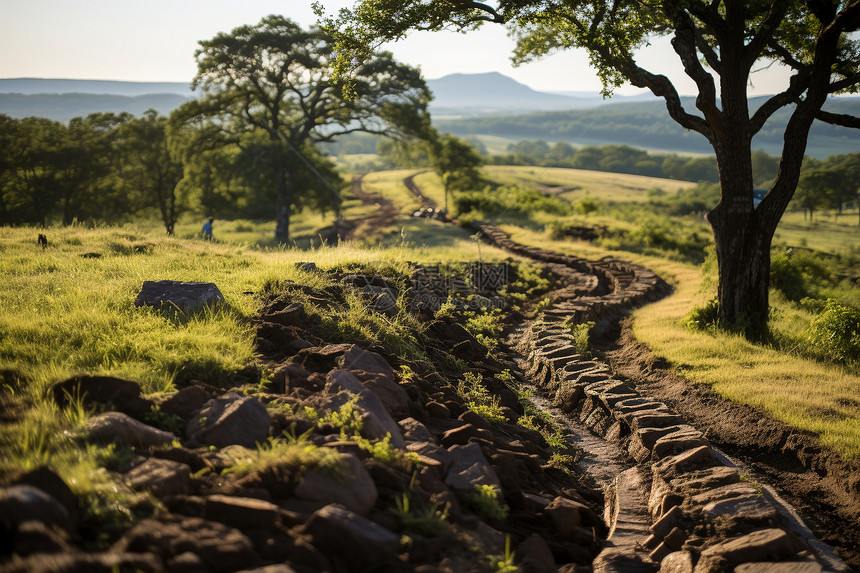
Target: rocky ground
[(416, 457)]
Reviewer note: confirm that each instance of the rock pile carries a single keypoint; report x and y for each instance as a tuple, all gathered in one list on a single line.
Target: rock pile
[(337, 463)]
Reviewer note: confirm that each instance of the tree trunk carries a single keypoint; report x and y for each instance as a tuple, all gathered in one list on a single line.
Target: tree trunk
[(284, 205), (743, 260)]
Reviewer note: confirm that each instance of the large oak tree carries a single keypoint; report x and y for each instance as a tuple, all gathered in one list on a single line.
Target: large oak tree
[(276, 79), (719, 44)]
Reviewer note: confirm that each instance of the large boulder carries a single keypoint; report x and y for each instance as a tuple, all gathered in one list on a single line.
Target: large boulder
[(183, 295), (120, 428), (230, 419)]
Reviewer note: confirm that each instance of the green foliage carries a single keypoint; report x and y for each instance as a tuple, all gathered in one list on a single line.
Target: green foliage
[(580, 333), (472, 390), (430, 521), (511, 200), (836, 332), (798, 273), (297, 452), (487, 502), (164, 420), (702, 317), (505, 563)]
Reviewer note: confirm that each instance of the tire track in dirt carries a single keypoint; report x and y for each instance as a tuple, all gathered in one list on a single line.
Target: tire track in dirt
[(373, 226)]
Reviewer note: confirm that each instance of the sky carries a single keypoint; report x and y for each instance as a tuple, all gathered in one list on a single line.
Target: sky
[(155, 40)]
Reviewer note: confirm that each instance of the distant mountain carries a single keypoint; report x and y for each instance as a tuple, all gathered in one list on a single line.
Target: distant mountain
[(63, 107), (494, 93), (59, 86)]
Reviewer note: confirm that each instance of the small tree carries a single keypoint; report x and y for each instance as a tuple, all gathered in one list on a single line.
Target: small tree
[(150, 171), (456, 162), (275, 79)]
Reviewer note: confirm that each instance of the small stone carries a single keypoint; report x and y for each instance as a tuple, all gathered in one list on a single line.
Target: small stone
[(438, 410), (360, 542), (677, 562), (161, 477), (352, 487), (469, 467), (120, 428), (760, 545), (185, 402), (241, 512), (230, 419), (565, 515)]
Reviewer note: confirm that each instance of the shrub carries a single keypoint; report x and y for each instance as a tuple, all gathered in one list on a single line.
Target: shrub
[(479, 399), (485, 500), (836, 332), (702, 317)]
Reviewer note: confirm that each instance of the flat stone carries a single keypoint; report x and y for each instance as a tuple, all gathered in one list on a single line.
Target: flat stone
[(121, 428), (701, 480), (415, 431), (694, 459), (674, 444), (185, 295), (241, 512), (230, 419), (762, 545), (783, 567), (724, 492), (161, 477), (360, 542), (747, 506), (353, 488)]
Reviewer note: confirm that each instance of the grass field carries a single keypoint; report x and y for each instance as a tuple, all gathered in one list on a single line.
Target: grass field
[(63, 313)]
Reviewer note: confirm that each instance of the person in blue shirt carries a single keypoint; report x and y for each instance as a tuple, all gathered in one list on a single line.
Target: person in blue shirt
[(207, 229)]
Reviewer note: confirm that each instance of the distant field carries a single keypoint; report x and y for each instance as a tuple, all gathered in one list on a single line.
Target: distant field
[(573, 184)]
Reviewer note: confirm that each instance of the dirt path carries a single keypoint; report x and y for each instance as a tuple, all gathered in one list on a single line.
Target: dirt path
[(371, 227), (822, 486), (415, 190)]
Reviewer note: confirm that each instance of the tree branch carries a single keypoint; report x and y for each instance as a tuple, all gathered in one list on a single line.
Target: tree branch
[(840, 119)]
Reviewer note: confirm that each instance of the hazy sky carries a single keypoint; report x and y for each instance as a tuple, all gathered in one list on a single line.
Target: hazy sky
[(155, 40)]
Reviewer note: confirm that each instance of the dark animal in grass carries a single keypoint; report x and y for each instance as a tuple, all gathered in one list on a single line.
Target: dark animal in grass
[(43, 240)]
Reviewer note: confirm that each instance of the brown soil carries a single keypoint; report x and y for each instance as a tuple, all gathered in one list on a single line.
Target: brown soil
[(820, 484), (373, 226)]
